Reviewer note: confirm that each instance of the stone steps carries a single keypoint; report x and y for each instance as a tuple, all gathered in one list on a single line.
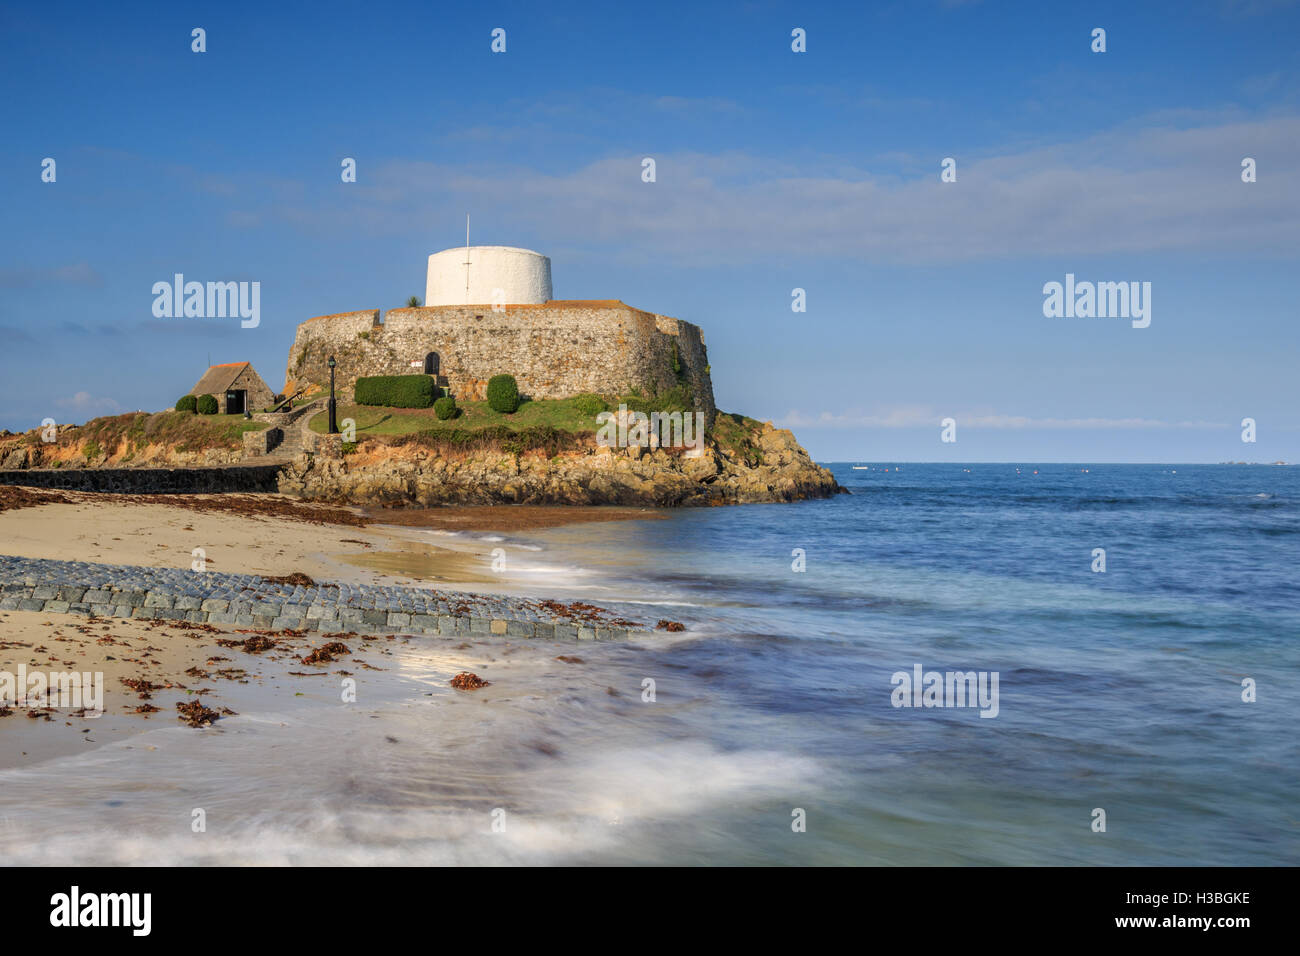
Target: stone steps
[(296, 437)]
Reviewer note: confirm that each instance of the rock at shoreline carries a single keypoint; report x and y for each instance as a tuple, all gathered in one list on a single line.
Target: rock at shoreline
[(743, 461), (773, 468)]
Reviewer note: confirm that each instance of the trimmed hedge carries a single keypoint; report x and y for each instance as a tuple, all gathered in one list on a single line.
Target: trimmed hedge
[(207, 405), (445, 408), (395, 391), (187, 403), (503, 394)]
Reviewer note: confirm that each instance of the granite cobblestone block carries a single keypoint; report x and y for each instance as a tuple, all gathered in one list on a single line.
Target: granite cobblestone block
[(244, 600)]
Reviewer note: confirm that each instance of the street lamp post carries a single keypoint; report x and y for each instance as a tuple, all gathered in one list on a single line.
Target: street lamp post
[(334, 425)]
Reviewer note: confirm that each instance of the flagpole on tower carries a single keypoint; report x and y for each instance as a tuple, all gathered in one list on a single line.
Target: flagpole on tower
[(467, 258)]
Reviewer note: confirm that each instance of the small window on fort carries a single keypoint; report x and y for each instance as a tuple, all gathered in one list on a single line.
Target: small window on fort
[(431, 362)]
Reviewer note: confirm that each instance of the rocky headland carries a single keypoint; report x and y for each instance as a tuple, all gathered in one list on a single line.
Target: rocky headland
[(747, 462)]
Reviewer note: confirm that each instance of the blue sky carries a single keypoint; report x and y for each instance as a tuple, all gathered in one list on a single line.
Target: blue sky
[(775, 171)]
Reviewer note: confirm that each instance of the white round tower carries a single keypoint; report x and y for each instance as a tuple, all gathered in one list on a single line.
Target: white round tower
[(523, 277)]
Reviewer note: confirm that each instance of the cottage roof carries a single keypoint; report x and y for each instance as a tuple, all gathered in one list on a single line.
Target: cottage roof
[(218, 378)]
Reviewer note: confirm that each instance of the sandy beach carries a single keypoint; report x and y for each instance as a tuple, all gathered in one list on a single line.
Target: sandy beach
[(355, 716), (272, 534), (148, 667)]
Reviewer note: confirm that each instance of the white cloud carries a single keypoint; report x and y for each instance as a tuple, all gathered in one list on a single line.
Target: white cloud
[(1168, 185), (80, 273), (915, 416), (85, 402)]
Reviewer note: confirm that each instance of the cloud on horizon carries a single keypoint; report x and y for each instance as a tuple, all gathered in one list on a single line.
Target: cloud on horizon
[(1168, 185), (913, 416), (80, 274), (85, 402)]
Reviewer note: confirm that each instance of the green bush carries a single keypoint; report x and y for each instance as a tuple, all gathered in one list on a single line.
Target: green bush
[(679, 398), (445, 408), (187, 403), (206, 405), (503, 394), (395, 391), (590, 405)]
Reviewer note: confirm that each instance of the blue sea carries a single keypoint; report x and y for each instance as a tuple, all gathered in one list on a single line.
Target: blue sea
[(1120, 690), (766, 732)]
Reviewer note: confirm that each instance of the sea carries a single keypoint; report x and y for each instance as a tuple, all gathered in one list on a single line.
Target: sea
[(1136, 628)]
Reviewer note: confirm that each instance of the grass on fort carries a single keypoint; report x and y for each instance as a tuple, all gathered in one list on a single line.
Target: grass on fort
[(550, 425), (560, 414)]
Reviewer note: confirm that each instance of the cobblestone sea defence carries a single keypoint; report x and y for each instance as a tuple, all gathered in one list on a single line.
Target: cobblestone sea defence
[(245, 600)]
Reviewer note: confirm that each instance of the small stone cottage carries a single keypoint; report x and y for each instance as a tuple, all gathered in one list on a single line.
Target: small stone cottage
[(237, 388)]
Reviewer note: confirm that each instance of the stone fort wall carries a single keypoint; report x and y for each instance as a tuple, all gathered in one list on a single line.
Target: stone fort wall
[(555, 350)]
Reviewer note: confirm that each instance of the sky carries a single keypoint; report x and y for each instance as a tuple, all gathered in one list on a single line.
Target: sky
[(775, 170)]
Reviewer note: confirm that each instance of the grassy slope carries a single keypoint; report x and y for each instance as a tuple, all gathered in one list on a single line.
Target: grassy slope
[(546, 424), (183, 431)]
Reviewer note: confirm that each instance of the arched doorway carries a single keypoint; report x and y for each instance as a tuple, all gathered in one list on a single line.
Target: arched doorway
[(431, 363)]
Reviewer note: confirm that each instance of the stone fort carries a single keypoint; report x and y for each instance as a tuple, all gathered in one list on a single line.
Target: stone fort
[(488, 310)]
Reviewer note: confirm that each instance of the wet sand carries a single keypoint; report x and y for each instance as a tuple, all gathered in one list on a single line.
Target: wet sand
[(238, 534), (278, 535), (508, 519), (148, 667)]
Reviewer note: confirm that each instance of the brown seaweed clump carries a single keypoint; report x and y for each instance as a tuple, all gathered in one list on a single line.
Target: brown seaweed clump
[(195, 714), (327, 653), (251, 645), (297, 578), (141, 686), (467, 681)]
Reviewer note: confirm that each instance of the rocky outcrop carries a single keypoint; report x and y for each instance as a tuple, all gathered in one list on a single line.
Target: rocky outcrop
[(774, 468), (15, 457), (73, 451), (761, 463)]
